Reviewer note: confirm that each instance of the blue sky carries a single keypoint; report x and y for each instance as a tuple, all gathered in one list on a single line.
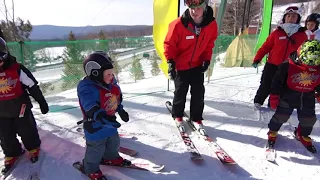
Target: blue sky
[(84, 12)]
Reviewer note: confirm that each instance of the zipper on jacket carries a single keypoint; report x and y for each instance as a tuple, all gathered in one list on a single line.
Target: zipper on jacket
[(285, 52), (301, 101), (194, 50), (201, 40)]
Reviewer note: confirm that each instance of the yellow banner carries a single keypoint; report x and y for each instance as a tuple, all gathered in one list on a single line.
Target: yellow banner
[(164, 11)]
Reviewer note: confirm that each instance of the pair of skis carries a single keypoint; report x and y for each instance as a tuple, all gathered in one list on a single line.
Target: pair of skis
[(130, 152), (191, 148)]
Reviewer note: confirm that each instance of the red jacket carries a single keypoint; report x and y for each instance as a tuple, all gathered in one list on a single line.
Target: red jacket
[(280, 46), (184, 47)]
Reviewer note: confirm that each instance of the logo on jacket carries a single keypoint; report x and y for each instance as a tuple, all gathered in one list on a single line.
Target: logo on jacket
[(304, 78), (6, 84), (110, 104)]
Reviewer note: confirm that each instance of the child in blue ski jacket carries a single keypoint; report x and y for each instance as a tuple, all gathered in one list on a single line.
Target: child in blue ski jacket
[(100, 98)]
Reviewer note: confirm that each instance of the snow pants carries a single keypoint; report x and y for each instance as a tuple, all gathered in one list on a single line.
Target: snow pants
[(306, 116), (96, 151), (195, 79), (25, 127), (265, 83)]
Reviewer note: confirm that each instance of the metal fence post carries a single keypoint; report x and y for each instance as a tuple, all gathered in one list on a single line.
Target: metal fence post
[(21, 52)]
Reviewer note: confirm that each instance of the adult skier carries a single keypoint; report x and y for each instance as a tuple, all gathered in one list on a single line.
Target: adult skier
[(279, 45), (188, 49)]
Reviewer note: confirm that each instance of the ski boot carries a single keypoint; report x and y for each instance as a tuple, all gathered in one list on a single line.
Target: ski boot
[(116, 162), (34, 155), (10, 162), (97, 176), (179, 123), (272, 135), (199, 127), (305, 140)]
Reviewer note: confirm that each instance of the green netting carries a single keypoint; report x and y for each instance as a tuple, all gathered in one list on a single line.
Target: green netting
[(57, 65)]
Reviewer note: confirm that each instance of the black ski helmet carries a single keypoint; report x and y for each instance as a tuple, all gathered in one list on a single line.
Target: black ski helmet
[(94, 65), (3, 49), (315, 17)]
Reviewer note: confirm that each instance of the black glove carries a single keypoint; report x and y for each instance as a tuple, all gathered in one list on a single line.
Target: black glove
[(172, 69), (256, 63), (44, 107), (112, 119), (124, 115), (205, 66)]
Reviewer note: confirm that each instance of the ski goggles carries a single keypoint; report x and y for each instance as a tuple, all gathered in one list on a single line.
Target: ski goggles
[(194, 3), (292, 9)]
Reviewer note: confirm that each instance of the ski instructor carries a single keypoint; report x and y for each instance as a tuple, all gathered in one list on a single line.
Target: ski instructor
[(188, 49)]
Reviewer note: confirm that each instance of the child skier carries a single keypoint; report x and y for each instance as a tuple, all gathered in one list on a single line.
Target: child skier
[(294, 87), (312, 24), (283, 41), (16, 83), (100, 98)]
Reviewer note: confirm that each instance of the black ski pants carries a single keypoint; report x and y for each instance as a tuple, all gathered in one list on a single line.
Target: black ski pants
[(306, 116), (195, 79), (265, 83), (25, 127)]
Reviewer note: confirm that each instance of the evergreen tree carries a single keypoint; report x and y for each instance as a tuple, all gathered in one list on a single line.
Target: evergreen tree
[(116, 67), (136, 70), (155, 70), (103, 43), (73, 69)]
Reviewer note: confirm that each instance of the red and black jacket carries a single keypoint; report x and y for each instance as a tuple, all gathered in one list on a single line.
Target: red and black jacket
[(296, 84), (186, 48), (16, 84)]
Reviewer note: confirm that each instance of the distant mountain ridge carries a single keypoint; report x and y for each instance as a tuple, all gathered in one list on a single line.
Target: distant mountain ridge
[(47, 32)]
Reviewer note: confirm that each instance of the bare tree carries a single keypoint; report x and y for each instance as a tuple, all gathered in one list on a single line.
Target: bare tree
[(14, 29)]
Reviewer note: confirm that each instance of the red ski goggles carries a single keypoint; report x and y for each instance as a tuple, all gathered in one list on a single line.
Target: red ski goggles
[(292, 9), (194, 3)]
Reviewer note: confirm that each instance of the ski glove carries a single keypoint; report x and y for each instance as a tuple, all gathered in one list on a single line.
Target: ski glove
[(274, 101), (172, 69), (44, 107), (124, 115), (255, 63), (102, 117), (205, 66)]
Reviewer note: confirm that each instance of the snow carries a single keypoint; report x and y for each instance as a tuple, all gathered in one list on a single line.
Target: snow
[(229, 118)]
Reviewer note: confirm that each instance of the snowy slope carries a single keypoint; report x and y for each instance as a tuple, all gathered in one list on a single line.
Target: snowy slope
[(229, 119)]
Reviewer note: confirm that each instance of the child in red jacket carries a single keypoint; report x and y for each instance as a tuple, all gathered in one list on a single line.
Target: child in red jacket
[(294, 87), (283, 41)]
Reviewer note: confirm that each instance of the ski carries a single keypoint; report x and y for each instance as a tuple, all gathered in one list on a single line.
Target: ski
[(191, 148), (141, 166), (270, 152), (78, 165), (35, 167), (127, 151), (6, 171), (221, 154)]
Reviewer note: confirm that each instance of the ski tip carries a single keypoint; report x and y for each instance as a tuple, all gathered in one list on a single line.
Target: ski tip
[(157, 168), (169, 103)]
